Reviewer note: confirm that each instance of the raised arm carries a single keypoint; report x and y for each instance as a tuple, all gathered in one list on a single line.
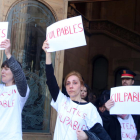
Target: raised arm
[(51, 80), (19, 77)]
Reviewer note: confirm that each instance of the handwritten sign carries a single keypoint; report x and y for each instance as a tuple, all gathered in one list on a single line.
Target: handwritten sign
[(3, 32), (65, 34), (127, 100)]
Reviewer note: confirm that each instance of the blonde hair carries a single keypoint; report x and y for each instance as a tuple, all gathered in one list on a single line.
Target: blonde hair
[(76, 74)]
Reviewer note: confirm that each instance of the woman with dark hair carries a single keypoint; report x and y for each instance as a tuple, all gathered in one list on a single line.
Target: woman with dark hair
[(100, 102), (13, 94), (87, 94), (77, 119)]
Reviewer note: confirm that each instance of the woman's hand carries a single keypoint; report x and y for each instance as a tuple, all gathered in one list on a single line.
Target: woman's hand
[(46, 46), (81, 135), (6, 44), (109, 104)]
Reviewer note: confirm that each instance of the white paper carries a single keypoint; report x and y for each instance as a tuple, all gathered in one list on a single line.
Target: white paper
[(65, 34), (3, 31), (127, 100)]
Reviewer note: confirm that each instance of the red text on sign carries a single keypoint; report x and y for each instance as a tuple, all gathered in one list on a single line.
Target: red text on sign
[(133, 97), (2, 33), (66, 30)]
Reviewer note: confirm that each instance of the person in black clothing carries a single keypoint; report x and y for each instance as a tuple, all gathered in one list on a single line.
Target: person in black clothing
[(100, 102), (64, 105), (122, 126), (138, 137)]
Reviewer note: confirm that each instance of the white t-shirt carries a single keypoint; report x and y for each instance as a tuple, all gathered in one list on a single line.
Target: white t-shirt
[(128, 128), (72, 117), (11, 105)]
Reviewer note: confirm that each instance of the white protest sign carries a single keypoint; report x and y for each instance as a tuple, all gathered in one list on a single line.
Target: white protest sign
[(65, 34), (127, 100), (3, 31)]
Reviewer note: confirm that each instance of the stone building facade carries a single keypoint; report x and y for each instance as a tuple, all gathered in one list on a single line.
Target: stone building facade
[(113, 42)]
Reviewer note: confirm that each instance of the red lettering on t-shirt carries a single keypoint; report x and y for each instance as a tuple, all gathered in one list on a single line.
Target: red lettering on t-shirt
[(69, 110), (127, 125), (12, 91), (127, 135), (131, 126), (60, 118), (64, 103), (123, 125), (13, 102), (7, 103), (82, 128), (2, 94), (74, 110), (67, 118), (4, 103), (1, 103), (84, 115), (70, 123), (78, 113), (74, 125)]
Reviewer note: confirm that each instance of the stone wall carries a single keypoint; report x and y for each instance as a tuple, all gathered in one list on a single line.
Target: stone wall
[(125, 13)]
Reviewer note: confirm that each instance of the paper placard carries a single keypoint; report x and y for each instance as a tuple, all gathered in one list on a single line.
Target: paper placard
[(127, 100), (3, 31), (65, 34)]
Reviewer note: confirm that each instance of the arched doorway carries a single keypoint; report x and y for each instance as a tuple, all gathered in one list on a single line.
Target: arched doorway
[(27, 31), (100, 74)]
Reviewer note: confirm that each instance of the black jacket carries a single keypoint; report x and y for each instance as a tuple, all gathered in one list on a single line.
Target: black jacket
[(97, 132), (112, 125)]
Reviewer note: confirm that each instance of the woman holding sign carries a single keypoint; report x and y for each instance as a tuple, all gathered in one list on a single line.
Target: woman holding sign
[(13, 94), (122, 126), (77, 119)]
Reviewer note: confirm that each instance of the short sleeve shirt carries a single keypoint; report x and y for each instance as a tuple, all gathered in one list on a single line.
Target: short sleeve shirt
[(72, 117), (128, 128), (11, 105)]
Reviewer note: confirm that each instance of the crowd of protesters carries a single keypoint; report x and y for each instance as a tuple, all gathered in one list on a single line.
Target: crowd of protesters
[(80, 116), (80, 97), (119, 126)]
